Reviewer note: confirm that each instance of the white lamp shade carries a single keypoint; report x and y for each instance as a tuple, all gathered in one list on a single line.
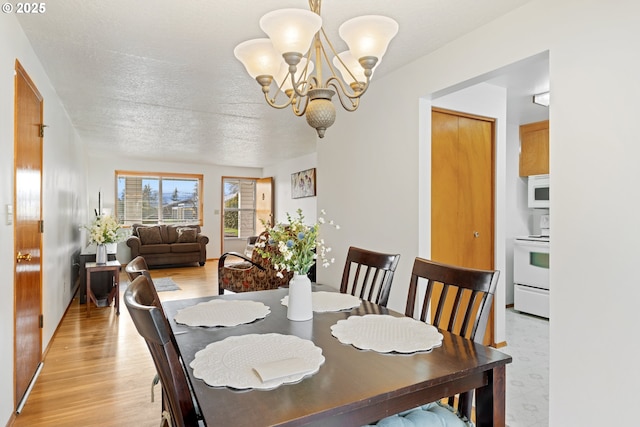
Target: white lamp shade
[(368, 35), (291, 30), (259, 57), (353, 65), (284, 72)]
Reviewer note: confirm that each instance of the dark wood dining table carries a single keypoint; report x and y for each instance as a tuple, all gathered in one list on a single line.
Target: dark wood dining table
[(353, 387)]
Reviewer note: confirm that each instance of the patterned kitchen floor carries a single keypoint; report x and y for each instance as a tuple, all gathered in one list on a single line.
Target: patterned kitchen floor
[(528, 374)]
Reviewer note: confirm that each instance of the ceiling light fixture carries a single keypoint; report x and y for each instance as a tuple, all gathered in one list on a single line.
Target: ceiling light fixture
[(541, 99), (296, 45)]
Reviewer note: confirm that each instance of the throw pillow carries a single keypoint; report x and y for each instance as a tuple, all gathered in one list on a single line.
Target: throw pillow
[(150, 235), (187, 235)]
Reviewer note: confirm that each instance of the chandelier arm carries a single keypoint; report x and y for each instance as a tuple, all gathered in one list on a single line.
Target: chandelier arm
[(300, 112), (342, 94), (314, 5), (272, 102), (351, 94), (311, 82)]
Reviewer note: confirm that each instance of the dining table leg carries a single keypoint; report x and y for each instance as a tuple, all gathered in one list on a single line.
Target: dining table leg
[(490, 400)]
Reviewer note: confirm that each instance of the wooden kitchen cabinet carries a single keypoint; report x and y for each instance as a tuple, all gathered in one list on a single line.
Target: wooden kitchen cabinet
[(534, 148)]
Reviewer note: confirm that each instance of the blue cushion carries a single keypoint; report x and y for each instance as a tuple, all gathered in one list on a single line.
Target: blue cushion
[(432, 414)]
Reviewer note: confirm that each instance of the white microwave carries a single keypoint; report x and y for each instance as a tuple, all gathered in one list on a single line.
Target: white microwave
[(538, 191)]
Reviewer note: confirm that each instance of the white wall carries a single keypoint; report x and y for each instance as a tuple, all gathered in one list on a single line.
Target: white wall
[(64, 190), (281, 174), (102, 177), (594, 152)]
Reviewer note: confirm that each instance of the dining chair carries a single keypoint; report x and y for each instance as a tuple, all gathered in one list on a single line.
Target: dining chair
[(369, 274), (136, 267), (458, 300), (152, 325)]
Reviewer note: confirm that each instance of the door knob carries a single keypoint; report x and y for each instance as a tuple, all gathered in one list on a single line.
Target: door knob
[(23, 257), (476, 234)]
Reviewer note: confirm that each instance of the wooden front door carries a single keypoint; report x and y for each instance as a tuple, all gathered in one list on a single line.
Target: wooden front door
[(462, 176), (27, 230)]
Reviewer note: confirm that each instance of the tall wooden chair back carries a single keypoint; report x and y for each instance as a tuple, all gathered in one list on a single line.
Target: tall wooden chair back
[(369, 274), (456, 299), (152, 325)]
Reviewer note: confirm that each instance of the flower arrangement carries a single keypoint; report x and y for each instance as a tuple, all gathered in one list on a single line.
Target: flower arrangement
[(104, 229), (297, 243)]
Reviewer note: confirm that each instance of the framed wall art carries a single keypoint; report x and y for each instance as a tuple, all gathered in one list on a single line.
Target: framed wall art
[(303, 184)]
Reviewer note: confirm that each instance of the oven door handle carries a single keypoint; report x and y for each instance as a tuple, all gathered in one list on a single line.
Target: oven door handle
[(532, 244)]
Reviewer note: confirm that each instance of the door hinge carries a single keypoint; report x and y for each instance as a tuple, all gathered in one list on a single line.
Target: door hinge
[(41, 226), (42, 130), (41, 321)]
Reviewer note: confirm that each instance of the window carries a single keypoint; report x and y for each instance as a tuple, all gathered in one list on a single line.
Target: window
[(167, 198), (239, 207)]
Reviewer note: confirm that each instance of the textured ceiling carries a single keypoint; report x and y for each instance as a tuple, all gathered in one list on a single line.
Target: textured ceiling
[(160, 76)]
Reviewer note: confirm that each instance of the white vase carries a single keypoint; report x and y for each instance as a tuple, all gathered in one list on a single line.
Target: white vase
[(299, 307), (101, 254)]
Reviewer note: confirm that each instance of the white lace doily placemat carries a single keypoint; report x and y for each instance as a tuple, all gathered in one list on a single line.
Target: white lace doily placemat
[(220, 312), (329, 301), (385, 334), (259, 361)]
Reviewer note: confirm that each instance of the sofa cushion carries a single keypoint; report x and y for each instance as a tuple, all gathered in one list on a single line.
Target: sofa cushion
[(162, 248), (185, 247), (187, 235), (172, 231), (150, 235)]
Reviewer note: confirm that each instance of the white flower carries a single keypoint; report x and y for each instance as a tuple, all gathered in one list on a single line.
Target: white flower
[(104, 229), (294, 246)]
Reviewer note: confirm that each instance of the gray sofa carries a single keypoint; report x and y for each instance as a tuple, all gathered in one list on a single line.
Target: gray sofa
[(162, 245)]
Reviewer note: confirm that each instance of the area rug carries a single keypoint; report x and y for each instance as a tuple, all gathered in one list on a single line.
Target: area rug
[(162, 284)]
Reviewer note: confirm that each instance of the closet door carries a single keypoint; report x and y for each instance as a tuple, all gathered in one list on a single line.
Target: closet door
[(462, 178)]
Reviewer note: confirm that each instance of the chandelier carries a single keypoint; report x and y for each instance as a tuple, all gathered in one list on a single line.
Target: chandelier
[(298, 45)]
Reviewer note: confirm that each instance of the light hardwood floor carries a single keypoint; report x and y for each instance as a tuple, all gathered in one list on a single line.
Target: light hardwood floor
[(98, 371)]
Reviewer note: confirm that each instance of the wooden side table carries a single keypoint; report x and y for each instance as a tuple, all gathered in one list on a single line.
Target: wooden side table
[(102, 282), (114, 292)]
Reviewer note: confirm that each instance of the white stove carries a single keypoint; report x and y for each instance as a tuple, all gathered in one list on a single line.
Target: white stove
[(531, 274)]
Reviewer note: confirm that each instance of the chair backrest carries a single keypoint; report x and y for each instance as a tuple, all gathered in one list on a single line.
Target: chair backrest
[(136, 267), (462, 299), (369, 274), (152, 325), (256, 274), (458, 298)]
